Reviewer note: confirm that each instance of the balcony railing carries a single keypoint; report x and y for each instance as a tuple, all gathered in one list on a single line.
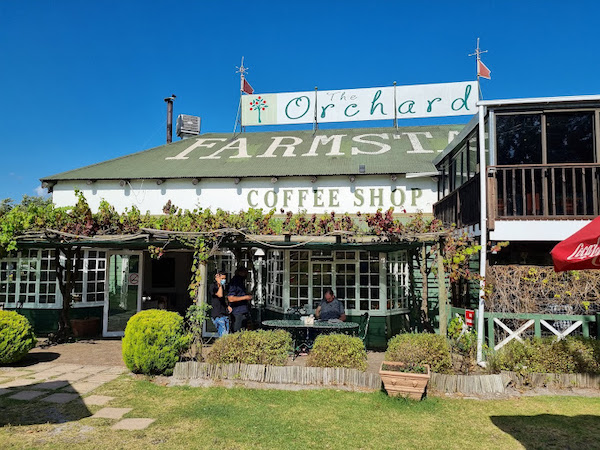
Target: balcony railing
[(461, 207), (543, 191)]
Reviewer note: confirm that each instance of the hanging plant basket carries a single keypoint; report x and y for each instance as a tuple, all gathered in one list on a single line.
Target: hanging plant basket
[(400, 379)]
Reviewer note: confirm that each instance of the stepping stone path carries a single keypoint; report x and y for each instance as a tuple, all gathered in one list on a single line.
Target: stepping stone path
[(63, 383)]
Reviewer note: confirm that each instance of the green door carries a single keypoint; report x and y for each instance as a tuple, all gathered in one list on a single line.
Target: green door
[(124, 291)]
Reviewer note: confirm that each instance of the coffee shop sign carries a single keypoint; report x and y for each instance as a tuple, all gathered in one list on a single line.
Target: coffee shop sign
[(384, 103)]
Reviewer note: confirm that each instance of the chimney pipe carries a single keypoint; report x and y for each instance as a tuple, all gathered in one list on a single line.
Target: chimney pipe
[(169, 101)]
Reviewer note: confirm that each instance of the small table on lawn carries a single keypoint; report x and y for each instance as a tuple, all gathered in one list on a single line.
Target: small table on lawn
[(304, 343)]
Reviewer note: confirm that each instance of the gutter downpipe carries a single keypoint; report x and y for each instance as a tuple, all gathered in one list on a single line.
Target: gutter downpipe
[(483, 236)]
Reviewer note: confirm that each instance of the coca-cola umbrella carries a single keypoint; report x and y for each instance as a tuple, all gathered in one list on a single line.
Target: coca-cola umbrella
[(579, 251)]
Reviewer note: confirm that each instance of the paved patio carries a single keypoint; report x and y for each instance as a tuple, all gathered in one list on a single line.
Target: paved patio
[(68, 374)]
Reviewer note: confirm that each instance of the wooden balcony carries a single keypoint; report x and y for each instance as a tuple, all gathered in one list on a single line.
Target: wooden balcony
[(461, 207), (526, 192), (543, 191)]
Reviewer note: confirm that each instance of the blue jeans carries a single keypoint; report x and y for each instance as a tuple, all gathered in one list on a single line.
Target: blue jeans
[(222, 324)]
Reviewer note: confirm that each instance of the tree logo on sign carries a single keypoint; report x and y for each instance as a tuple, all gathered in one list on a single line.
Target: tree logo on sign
[(258, 104)]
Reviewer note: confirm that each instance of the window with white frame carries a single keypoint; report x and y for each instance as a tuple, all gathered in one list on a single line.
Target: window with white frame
[(398, 280), (30, 278), (355, 277), (275, 271), (299, 283)]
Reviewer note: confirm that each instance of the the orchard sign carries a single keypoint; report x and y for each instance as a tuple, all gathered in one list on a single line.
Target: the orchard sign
[(399, 102)]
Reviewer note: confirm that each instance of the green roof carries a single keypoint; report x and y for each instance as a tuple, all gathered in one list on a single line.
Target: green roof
[(361, 151)]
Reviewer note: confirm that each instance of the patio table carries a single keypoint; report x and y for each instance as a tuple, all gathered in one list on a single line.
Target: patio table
[(305, 342)]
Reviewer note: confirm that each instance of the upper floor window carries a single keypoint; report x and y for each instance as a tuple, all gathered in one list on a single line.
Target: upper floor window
[(519, 139), (569, 138)]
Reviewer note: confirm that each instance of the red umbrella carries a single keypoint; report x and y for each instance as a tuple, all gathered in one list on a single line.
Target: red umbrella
[(579, 251)]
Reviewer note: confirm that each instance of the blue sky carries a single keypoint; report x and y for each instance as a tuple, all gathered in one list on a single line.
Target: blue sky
[(84, 81)]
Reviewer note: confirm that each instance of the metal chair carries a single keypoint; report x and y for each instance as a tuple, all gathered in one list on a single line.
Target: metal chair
[(363, 328)]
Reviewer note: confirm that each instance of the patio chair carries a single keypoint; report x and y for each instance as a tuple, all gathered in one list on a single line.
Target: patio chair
[(363, 328)]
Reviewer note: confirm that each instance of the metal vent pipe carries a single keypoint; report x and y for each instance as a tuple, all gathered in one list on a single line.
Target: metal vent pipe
[(169, 101)]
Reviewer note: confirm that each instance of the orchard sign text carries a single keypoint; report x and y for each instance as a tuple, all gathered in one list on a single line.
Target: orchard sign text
[(400, 102)]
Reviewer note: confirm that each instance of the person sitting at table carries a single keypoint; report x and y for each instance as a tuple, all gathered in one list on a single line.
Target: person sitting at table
[(330, 308)]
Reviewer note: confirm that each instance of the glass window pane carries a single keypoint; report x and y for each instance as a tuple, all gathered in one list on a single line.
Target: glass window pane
[(519, 139), (570, 137)]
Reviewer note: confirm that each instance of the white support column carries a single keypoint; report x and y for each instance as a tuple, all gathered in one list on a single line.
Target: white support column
[(483, 235)]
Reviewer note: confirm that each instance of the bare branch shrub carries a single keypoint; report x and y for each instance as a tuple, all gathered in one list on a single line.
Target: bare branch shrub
[(538, 289)]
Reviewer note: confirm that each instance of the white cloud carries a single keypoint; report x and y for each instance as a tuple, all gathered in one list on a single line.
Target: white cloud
[(40, 191)]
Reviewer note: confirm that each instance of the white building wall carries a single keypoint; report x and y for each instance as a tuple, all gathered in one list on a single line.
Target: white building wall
[(535, 230), (336, 193)]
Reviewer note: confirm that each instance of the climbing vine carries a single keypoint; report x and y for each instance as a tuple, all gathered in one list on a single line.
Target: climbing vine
[(207, 230)]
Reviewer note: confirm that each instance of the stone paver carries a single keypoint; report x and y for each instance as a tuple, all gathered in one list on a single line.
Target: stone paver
[(82, 387), (45, 374), (61, 397), (64, 368), (4, 391), (27, 395), (92, 369), (132, 424), (19, 382), (98, 400), (39, 367), (73, 376), (102, 378), (111, 413), (52, 385), (14, 373), (117, 370)]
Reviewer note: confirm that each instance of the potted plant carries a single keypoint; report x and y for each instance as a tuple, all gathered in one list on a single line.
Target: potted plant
[(86, 327), (407, 380)]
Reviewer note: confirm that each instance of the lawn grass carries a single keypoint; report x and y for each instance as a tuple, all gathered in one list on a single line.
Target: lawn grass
[(242, 418)]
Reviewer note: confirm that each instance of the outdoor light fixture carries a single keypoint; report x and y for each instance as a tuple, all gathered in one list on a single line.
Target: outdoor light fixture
[(361, 168), (122, 183), (352, 178), (393, 177), (90, 182), (313, 179), (273, 180), (237, 180), (160, 181), (195, 181)]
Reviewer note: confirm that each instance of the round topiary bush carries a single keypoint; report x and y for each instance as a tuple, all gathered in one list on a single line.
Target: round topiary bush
[(16, 337), (421, 348), (338, 350), (252, 347), (153, 341)]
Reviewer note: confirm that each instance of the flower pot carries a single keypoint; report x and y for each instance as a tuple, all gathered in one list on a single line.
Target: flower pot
[(406, 384), (88, 327)]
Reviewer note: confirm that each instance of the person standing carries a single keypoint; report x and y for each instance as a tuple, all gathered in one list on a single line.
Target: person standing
[(330, 308), (220, 308), (239, 299)]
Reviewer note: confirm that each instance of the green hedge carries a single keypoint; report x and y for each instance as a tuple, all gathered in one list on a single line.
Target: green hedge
[(421, 348), (546, 355), (153, 341), (338, 350), (252, 347), (16, 337)]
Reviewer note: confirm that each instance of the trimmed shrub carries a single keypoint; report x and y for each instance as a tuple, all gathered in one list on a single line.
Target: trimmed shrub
[(421, 348), (252, 347), (338, 350), (153, 341), (546, 355), (16, 337)]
